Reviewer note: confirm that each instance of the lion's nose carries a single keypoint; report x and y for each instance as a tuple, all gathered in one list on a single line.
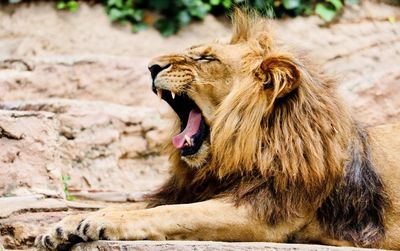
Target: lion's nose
[(155, 69)]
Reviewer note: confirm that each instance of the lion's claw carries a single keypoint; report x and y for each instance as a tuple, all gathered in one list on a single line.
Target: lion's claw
[(73, 238), (92, 232)]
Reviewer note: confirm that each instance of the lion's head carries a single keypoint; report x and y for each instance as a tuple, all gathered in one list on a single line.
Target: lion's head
[(251, 103)]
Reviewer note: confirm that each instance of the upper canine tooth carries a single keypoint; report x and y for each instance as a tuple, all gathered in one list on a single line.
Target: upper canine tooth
[(159, 93), (173, 94)]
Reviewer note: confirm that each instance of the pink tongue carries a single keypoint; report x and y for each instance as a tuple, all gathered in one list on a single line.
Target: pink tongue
[(191, 129)]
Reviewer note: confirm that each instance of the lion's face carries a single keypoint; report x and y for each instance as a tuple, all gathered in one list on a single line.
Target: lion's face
[(194, 83)]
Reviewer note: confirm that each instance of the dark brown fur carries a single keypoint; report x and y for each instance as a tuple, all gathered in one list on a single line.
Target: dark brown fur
[(355, 209)]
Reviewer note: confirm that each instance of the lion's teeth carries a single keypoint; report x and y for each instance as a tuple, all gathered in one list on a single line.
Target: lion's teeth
[(188, 140), (159, 93), (173, 94)]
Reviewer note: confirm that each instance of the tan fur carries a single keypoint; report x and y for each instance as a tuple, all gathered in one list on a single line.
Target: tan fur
[(279, 143)]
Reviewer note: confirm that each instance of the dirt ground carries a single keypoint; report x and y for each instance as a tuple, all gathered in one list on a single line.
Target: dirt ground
[(75, 101)]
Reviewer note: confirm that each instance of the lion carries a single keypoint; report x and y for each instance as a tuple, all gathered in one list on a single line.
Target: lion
[(263, 149)]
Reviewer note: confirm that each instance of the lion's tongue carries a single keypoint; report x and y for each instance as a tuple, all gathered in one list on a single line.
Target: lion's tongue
[(192, 127)]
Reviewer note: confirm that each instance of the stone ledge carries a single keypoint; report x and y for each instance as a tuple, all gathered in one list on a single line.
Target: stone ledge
[(30, 160), (202, 246)]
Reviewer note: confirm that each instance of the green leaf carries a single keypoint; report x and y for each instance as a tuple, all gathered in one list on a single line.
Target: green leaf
[(138, 27), (227, 3), (392, 19), (200, 11), (115, 14), (72, 6), (308, 10), (325, 12), (190, 3), (137, 15), (66, 178), (129, 3), (160, 5), (167, 27), (116, 3), (260, 4), (70, 197), (291, 4), (337, 3), (61, 5), (127, 13), (215, 2), (184, 17)]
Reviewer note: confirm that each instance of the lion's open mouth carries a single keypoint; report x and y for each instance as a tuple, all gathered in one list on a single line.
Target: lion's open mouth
[(193, 126)]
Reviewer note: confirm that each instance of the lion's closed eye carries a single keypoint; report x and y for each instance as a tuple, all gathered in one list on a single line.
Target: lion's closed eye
[(204, 58)]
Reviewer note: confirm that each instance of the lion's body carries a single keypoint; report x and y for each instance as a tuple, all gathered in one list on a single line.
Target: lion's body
[(385, 145), (267, 152)]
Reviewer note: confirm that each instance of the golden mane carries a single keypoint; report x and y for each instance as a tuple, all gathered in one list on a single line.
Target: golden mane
[(298, 137)]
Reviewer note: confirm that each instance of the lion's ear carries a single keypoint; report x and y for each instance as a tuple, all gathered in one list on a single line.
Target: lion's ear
[(282, 75)]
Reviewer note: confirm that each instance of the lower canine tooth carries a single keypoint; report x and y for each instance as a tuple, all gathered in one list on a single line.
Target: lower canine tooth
[(188, 140), (159, 93)]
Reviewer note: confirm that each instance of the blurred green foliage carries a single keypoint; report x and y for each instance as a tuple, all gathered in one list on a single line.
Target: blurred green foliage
[(175, 14), (178, 13), (68, 5)]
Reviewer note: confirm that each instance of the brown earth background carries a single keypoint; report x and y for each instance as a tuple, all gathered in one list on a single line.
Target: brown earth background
[(75, 101)]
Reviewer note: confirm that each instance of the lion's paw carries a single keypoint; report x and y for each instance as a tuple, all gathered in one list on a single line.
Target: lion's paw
[(95, 228), (63, 236)]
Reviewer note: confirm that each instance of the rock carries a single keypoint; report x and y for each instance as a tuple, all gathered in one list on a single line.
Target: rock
[(102, 196), (30, 161), (83, 206), (136, 196), (11, 205), (104, 146), (203, 246), (18, 231)]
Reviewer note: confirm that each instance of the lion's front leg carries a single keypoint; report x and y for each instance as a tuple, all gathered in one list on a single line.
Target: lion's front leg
[(216, 220), (66, 233), (209, 220)]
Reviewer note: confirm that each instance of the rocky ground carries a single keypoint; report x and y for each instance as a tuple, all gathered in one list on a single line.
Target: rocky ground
[(204, 246), (76, 102)]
